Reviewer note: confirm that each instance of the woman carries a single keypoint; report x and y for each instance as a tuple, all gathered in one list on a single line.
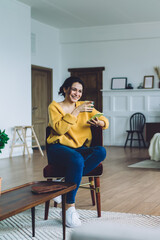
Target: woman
[(70, 139)]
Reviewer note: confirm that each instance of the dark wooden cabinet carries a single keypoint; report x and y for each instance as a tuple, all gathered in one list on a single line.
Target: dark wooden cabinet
[(93, 79), (151, 129)]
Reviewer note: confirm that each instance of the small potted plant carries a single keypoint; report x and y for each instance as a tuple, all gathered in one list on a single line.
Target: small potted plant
[(3, 139)]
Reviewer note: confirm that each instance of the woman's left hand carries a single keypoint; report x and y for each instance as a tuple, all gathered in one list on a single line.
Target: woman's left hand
[(96, 122)]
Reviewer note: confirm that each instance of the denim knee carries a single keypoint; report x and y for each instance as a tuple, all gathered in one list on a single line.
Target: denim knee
[(101, 151), (76, 161)]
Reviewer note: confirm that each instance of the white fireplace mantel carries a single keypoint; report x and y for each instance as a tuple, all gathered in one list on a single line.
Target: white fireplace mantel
[(119, 105), (132, 90)]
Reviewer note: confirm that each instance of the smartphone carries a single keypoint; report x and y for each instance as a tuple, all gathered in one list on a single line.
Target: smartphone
[(96, 115)]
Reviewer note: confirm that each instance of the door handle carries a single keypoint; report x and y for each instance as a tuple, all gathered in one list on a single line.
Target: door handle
[(34, 108)]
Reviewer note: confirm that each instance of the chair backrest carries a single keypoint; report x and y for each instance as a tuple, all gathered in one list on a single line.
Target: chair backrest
[(137, 122), (48, 130), (97, 138)]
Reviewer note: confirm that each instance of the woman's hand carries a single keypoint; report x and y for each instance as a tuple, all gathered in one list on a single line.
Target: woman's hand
[(96, 122), (87, 106)]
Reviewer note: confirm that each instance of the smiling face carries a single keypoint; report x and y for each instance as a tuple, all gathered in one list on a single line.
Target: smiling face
[(74, 93)]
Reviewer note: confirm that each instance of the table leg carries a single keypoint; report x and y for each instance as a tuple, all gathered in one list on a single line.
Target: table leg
[(64, 215), (33, 221), (46, 210)]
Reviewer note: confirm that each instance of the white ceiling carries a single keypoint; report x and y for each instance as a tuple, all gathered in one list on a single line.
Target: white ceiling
[(86, 13)]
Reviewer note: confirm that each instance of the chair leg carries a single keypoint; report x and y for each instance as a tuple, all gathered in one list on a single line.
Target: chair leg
[(98, 199), (131, 139), (46, 210), (25, 142), (91, 181), (126, 140), (139, 139)]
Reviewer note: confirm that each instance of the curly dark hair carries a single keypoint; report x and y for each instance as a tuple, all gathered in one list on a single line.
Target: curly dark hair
[(68, 83)]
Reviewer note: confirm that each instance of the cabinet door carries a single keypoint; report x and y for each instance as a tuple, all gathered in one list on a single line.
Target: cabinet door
[(151, 129), (93, 79)]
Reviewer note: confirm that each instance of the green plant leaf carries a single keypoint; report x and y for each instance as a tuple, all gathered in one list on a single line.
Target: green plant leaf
[(3, 139)]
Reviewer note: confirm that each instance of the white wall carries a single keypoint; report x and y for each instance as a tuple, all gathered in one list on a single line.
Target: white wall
[(16, 27), (124, 50), (15, 61), (47, 51)]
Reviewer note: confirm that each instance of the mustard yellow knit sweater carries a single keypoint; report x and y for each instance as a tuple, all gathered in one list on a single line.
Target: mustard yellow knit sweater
[(69, 130)]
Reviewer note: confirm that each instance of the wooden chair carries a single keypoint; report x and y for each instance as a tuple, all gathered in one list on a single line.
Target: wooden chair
[(137, 123), (50, 172)]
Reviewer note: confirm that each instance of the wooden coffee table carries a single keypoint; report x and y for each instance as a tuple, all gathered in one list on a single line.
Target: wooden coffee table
[(21, 198)]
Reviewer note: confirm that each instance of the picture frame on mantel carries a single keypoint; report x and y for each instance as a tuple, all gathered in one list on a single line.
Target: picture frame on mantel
[(148, 82), (118, 83)]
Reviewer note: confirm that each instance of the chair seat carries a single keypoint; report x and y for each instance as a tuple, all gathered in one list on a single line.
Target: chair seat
[(134, 131), (96, 171), (51, 171)]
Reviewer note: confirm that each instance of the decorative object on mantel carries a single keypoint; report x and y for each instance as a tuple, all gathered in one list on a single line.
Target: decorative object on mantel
[(157, 70), (140, 86), (148, 82), (3, 139), (129, 86), (119, 83)]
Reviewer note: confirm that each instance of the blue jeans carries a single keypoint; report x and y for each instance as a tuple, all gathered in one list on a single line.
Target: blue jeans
[(76, 162)]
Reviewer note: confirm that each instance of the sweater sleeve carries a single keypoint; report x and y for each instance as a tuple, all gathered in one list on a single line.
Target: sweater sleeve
[(59, 122)]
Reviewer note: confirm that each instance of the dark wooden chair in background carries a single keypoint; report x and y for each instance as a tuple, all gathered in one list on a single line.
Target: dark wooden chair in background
[(137, 123), (51, 172)]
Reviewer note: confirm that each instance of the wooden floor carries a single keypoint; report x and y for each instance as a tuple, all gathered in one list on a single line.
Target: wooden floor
[(123, 189)]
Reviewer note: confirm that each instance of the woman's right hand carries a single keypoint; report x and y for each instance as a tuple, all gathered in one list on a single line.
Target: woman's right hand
[(87, 106)]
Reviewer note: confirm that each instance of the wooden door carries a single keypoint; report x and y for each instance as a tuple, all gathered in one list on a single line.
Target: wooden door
[(41, 98), (93, 79)]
